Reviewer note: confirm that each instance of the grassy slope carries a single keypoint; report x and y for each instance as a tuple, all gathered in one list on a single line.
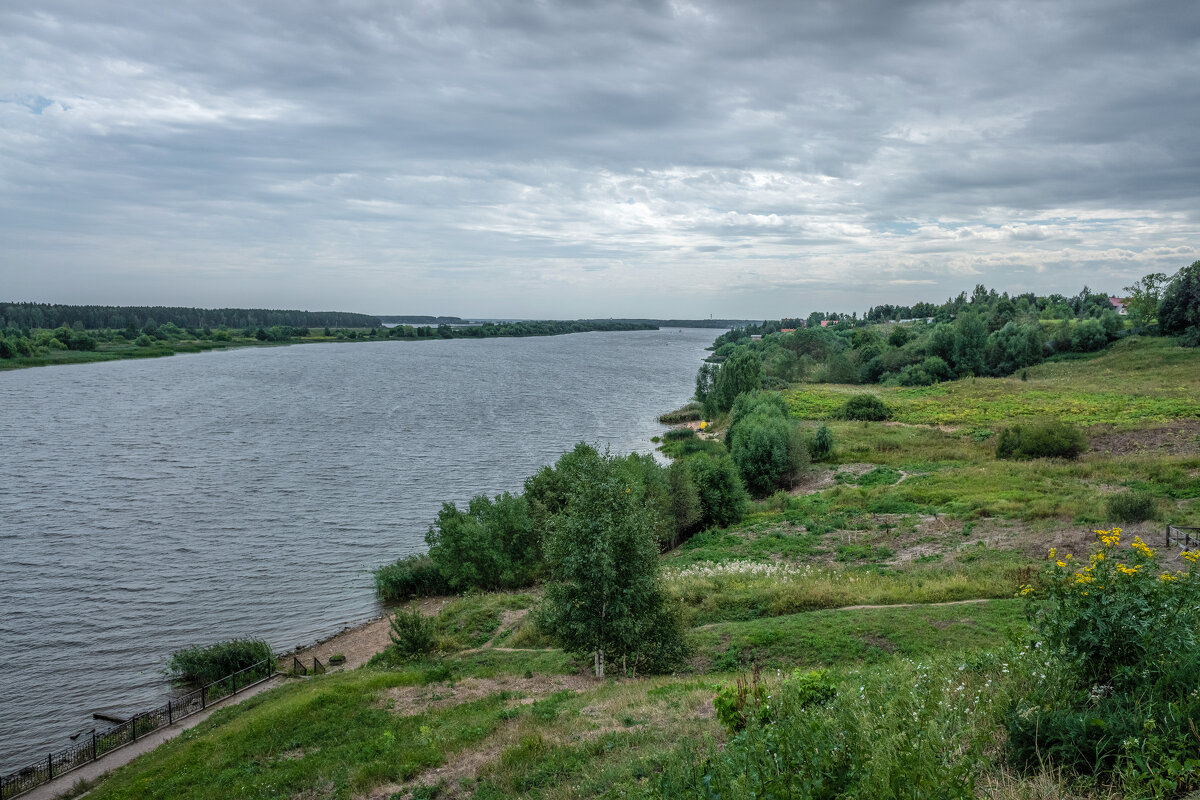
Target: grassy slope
[(940, 521), (1134, 381)]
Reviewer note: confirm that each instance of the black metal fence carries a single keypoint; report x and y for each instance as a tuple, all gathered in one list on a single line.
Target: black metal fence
[(132, 729), (1183, 536)]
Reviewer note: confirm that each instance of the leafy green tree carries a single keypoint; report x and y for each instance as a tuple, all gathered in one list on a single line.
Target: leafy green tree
[(654, 488), (1180, 307), (764, 443), (1013, 347), (491, 545), (1144, 297), (899, 336), (705, 377), (686, 508), (1088, 336), (548, 490), (603, 596), (941, 342), (970, 342), (723, 496), (741, 372), (760, 451)]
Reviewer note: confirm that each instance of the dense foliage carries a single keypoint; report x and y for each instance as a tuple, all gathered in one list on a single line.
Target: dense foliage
[(1179, 312), (1049, 439), (984, 334), (603, 596), (765, 443), (491, 545), (211, 663), (865, 408), (51, 315), (1125, 636), (412, 576)]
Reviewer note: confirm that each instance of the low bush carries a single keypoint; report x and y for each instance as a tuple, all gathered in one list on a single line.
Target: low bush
[(1133, 506), (413, 576), (822, 443), (216, 661), (865, 407), (690, 413), (1041, 440), (412, 634), (679, 434)]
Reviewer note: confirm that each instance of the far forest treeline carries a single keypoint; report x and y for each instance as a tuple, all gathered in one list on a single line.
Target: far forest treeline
[(53, 315), (986, 334)]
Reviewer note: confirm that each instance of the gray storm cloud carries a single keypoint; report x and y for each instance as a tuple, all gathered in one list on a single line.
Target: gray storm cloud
[(592, 159)]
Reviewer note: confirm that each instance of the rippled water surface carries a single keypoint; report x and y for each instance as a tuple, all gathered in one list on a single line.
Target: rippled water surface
[(151, 505)]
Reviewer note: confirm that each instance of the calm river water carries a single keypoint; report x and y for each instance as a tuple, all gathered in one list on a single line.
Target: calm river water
[(152, 505)]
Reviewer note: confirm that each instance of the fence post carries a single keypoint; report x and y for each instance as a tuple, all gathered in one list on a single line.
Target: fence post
[(170, 716), (234, 683), (1168, 536), (202, 693), (133, 726), (50, 766), (93, 744)]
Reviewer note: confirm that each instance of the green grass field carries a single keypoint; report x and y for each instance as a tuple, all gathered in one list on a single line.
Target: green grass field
[(1135, 381)]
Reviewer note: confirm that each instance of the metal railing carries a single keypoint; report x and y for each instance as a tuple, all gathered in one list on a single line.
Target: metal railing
[(1183, 536), (139, 725), (299, 669)]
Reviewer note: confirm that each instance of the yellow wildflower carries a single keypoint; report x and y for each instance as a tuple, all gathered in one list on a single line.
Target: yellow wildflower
[(1142, 547), (1053, 552), (1166, 576), (1191, 555), (1026, 589)]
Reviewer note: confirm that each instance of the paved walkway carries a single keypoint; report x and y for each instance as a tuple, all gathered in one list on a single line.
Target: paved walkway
[(116, 758)]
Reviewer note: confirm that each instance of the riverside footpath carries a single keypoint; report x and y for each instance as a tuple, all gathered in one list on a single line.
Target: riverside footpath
[(123, 755)]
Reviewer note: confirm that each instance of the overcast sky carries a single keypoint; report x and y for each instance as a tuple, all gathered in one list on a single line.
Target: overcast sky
[(571, 159)]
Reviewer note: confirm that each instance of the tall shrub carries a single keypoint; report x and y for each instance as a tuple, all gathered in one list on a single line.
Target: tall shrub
[(493, 544)]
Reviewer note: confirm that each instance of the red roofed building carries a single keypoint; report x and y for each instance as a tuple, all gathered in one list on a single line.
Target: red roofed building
[(1119, 305)]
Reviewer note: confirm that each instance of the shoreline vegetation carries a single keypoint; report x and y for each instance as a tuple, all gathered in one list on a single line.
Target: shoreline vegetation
[(842, 584), (36, 334)]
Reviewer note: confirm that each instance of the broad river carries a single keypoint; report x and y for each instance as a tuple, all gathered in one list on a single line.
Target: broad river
[(151, 505)]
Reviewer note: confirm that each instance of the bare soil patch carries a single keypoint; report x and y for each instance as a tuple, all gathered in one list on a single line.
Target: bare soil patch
[(1181, 437), (882, 642), (359, 643), (942, 624)]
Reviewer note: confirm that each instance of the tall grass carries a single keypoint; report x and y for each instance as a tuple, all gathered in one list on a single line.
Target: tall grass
[(911, 730), (711, 593), (215, 661)]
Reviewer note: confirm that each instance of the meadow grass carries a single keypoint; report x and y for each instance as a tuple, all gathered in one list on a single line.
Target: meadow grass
[(741, 591), (858, 636), (1136, 380), (333, 736)]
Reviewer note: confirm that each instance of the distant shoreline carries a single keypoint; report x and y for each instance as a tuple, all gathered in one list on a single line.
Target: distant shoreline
[(107, 351)]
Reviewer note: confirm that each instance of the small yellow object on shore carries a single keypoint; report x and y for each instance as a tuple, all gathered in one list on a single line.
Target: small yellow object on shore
[(703, 424)]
